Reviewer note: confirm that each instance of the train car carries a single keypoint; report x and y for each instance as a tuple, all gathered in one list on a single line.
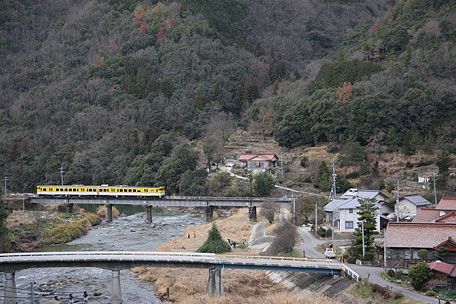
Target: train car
[(99, 191)]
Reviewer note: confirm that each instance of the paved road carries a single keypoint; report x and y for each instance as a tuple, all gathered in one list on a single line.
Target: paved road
[(375, 278), (309, 243)]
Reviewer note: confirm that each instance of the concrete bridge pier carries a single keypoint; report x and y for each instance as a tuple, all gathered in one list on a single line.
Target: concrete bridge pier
[(252, 214), (214, 283), (108, 212), (116, 294), (209, 213), (10, 295), (70, 208), (149, 214)]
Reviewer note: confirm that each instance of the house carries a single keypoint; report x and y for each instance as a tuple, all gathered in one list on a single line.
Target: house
[(409, 205), (447, 204), (427, 215), (424, 179), (404, 240), (259, 162), (444, 276), (344, 210)]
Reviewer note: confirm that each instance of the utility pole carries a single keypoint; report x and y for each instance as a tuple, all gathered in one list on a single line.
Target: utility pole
[(281, 161), (384, 248), (294, 207), (316, 217), (5, 179), (397, 201), (61, 174), (364, 249), (334, 193), (435, 191)]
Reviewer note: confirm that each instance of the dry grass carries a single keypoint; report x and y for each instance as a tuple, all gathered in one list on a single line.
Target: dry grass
[(240, 286)]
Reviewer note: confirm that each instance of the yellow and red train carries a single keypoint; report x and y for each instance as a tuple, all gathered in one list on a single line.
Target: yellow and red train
[(99, 191)]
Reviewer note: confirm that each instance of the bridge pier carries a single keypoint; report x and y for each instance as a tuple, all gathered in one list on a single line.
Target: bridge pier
[(209, 213), (252, 214), (108, 212), (70, 208), (10, 295), (149, 214), (214, 283), (116, 294)]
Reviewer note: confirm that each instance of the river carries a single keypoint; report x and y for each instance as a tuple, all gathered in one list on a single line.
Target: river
[(127, 233)]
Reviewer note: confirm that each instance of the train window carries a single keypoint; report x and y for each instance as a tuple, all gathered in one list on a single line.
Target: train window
[(152, 190), (134, 190), (146, 190), (129, 190), (44, 189)]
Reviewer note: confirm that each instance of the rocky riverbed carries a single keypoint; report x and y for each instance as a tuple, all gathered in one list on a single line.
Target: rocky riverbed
[(129, 233)]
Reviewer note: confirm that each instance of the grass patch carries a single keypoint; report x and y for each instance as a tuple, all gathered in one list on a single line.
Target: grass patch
[(378, 294)]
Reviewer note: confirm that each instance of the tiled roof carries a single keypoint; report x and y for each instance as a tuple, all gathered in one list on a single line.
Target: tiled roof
[(369, 194), (418, 235), (262, 156), (443, 267), (426, 215), (416, 199), (345, 203), (447, 218), (447, 203)]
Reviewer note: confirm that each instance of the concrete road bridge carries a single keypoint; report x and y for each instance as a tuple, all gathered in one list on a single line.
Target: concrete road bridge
[(206, 202), (118, 260)]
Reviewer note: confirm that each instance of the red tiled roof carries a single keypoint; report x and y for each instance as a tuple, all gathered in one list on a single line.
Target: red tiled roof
[(447, 218), (447, 203), (426, 215), (263, 156), (418, 235), (443, 267), (450, 241)]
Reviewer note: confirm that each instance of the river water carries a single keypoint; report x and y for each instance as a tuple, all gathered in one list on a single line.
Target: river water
[(128, 233)]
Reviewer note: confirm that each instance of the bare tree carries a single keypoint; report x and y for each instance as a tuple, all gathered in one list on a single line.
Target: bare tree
[(285, 239), (268, 210)]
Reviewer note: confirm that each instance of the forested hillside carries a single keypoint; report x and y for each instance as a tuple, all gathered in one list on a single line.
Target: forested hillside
[(141, 92)]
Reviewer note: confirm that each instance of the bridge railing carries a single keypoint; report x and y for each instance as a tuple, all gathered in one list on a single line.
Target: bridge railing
[(350, 273), (105, 253), (284, 259)]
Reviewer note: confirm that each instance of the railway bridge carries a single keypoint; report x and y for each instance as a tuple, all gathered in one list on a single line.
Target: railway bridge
[(172, 201), (118, 260)]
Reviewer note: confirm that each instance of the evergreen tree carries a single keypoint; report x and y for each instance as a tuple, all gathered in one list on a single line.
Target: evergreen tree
[(367, 213), (323, 181), (4, 232), (214, 242), (264, 183), (443, 162)]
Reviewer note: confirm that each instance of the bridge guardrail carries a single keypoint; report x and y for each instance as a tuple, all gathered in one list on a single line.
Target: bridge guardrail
[(350, 273)]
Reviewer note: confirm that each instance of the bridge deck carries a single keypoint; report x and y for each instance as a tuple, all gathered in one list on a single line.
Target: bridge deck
[(177, 201), (122, 260)]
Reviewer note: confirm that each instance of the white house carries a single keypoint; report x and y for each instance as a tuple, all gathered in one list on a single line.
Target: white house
[(344, 209), (409, 205)]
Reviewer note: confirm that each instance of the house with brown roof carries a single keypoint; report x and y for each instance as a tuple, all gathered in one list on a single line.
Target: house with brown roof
[(404, 240), (258, 162), (444, 276), (447, 204), (427, 215)]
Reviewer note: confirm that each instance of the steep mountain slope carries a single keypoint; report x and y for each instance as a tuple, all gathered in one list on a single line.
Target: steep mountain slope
[(115, 90)]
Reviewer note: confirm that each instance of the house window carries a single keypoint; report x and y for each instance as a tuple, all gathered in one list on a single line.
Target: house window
[(350, 210), (349, 225)]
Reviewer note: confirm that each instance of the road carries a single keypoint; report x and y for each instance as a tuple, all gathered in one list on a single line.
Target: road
[(309, 243), (374, 274)]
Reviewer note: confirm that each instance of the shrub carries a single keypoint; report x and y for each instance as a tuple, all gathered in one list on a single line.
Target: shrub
[(422, 254), (304, 161), (214, 242), (93, 218), (430, 293), (419, 275), (396, 295), (390, 272), (321, 232)]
